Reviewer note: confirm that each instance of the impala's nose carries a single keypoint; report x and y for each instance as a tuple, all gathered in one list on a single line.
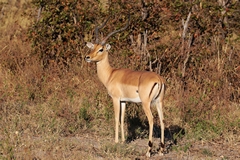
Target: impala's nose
[(87, 58)]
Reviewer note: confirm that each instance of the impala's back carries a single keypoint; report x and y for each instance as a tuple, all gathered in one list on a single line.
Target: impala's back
[(132, 85)]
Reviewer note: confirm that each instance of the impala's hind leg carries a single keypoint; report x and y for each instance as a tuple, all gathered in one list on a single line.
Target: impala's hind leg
[(146, 108), (159, 105)]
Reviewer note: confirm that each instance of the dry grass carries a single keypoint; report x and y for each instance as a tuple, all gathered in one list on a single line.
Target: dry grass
[(58, 113)]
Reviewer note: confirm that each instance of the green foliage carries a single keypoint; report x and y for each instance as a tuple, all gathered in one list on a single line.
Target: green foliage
[(83, 112), (119, 149), (207, 152), (108, 112), (58, 34)]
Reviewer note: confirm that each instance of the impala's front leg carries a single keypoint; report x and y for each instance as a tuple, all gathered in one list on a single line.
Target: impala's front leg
[(116, 105), (123, 107)]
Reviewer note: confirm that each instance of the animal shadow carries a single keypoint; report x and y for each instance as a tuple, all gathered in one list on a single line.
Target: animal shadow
[(138, 129)]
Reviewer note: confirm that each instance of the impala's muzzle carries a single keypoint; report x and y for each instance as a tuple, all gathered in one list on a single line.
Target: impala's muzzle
[(87, 59)]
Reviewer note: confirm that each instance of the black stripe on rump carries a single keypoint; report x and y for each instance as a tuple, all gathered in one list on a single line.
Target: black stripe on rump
[(152, 89), (158, 92)]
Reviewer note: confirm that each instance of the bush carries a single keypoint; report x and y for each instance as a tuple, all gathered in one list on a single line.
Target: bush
[(202, 68), (58, 36)]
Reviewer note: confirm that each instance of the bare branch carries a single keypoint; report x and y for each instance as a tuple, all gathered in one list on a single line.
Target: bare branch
[(185, 25), (74, 19), (145, 43), (144, 10), (39, 13), (188, 55)]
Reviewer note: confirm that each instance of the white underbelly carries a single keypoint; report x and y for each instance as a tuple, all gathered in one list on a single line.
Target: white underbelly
[(135, 100)]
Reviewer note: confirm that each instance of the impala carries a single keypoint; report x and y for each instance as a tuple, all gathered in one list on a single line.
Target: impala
[(125, 85)]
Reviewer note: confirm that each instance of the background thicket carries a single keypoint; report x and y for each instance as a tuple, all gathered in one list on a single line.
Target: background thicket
[(48, 90)]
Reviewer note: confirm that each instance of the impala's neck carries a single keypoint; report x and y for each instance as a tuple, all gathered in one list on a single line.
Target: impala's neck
[(104, 70)]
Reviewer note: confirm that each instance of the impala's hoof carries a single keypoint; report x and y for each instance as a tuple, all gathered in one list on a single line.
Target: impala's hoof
[(148, 154), (161, 153), (150, 144)]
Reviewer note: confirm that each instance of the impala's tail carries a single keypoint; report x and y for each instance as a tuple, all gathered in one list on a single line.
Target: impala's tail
[(162, 91), (158, 89)]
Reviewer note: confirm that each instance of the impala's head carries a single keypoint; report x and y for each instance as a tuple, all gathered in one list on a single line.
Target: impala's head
[(99, 50)]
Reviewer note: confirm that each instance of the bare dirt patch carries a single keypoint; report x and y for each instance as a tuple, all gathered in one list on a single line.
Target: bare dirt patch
[(88, 146)]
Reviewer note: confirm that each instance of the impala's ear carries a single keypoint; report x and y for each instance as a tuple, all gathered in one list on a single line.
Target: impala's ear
[(108, 46), (90, 45)]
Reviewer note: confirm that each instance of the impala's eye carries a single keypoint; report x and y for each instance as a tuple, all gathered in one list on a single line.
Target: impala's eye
[(100, 50)]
